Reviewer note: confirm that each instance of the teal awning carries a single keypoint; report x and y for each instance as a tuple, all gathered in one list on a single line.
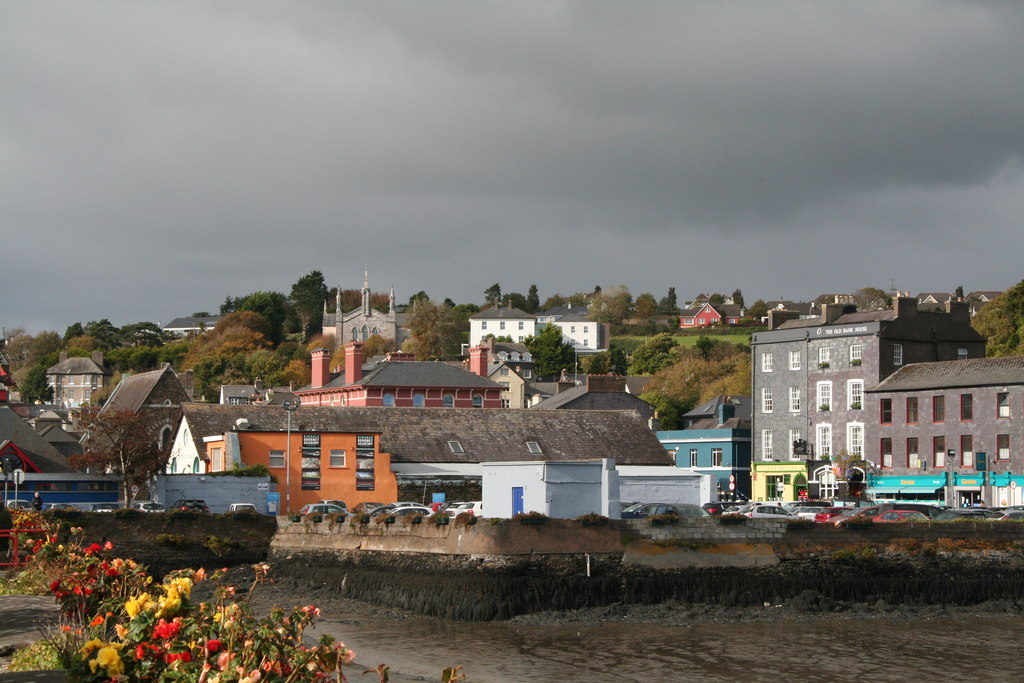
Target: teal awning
[(1006, 479), (903, 489), (894, 483)]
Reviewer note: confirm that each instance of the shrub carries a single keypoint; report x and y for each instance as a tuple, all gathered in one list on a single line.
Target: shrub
[(531, 517), (664, 519), (172, 540), (798, 524), (127, 513), (732, 519), (592, 519), (39, 656), (219, 546)]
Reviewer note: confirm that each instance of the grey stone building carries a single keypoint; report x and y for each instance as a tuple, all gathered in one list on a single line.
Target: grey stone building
[(951, 432), (810, 375)]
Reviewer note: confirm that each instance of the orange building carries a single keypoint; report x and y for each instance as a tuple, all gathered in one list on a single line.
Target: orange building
[(312, 466)]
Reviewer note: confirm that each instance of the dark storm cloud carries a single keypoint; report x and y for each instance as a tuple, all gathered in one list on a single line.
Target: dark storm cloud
[(157, 157)]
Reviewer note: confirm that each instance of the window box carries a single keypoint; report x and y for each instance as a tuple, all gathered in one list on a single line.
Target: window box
[(824, 406), (295, 518), (855, 362), (824, 364), (854, 406), (441, 519), (664, 520), (317, 519), (417, 520)]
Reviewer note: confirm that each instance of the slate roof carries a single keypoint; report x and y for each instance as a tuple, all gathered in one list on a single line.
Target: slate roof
[(79, 365), (502, 312), (710, 408), (412, 373), (712, 423), (580, 398), (486, 435), (132, 391), (950, 374), (38, 450), (190, 323), (845, 319)]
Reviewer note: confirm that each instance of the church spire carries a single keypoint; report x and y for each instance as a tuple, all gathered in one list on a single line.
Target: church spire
[(366, 292), (391, 300)]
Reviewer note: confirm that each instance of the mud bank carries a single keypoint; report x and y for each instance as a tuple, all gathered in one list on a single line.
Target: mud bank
[(474, 588)]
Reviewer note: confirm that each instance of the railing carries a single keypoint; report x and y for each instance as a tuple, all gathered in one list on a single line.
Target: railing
[(12, 557)]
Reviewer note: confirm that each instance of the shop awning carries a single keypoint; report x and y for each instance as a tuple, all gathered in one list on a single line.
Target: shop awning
[(903, 489)]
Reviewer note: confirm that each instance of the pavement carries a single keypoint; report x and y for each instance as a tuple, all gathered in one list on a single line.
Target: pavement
[(21, 617)]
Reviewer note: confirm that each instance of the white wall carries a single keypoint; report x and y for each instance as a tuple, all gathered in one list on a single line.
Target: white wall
[(679, 486), (563, 490)]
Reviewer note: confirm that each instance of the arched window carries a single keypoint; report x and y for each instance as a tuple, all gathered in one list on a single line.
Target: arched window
[(376, 331), (355, 334), (478, 401), (196, 466), (449, 401), (165, 437), (417, 401), (366, 332), (827, 486), (389, 400)]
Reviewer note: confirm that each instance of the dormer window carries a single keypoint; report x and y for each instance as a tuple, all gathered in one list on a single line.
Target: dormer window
[(456, 447), (534, 448)]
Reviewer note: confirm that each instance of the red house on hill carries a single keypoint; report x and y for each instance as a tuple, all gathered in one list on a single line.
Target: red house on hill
[(401, 381), (707, 315)]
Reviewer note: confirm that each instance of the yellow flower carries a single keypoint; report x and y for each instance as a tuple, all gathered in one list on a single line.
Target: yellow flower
[(109, 658), (89, 646), (139, 604)]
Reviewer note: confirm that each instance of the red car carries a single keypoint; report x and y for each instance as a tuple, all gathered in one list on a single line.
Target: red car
[(828, 513)]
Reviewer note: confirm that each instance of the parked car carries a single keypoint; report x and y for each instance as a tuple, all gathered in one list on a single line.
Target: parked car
[(850, 513), (19, 504), (322, 509), (808, 513), (978, 513), (60, 506), (474, 507), (243, 507), (718, 507), (149, 506), (1013, 514), (339, 503), (410, 511), (366, 508), (901, 516), (827, 514), (765, 511), (190, 504), (642, 510), (104, 507)]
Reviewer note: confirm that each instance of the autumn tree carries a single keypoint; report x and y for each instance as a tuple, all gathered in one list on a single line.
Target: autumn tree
[(122, 442), (434, 331), (871, 299), (645, 306), (554, 301), (758, 310), (611, 305)]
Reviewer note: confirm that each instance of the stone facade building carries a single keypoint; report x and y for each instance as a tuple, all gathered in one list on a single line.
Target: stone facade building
[(362, 323), (809, 379)]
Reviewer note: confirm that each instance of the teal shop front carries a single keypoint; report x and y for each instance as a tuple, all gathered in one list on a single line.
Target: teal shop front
[(1007, 489), (912, 489)]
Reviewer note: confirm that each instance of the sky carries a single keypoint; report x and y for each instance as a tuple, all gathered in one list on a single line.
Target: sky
[(157, 157)]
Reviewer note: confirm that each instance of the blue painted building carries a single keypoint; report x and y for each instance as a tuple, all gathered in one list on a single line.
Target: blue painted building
[(719, 446)]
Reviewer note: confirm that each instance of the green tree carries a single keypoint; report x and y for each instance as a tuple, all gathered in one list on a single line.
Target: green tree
[(653, 355), (74, 330), (959, 292), (492, 295), (669, 303), (553, 301), (704, 346), (668, 410), (597, 363), (737, 298), (532, 300), (871, 299), (516, 300), (418, 296), (550, 353), (716, 299), (307, 298), (230, 305), (1002, 322), (141, 334), (618, 358), (271, 307), (34, 388), (105, 334), (758, 310)]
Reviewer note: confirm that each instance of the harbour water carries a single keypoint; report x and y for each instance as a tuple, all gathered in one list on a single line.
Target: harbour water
[(946, 648)]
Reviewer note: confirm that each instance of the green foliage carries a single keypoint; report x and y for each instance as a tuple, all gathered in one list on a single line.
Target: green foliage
[(436, 333), (653, 355), (669, 304), (39, 656), (611, 305), (238, 470), (492, 295), (532, 300), (551, 355), (668, 410), (307, 298), (219, 546), (271, 307), (34, 388), (592, 519), (758, 310), (1002, 322), (173, 540)]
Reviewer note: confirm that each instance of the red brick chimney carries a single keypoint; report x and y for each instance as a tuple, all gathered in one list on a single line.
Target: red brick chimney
[(321, 367), (400, 356), (353, 362), (478, 360)]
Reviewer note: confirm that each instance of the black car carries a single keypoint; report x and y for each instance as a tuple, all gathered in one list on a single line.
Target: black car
[(642, 510), (190, 504)]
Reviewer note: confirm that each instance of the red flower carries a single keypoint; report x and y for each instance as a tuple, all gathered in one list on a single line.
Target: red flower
[(213, 645), (175, 656), (54, 586), (108, 546), (94, 548), (165, 630), (139, 652)]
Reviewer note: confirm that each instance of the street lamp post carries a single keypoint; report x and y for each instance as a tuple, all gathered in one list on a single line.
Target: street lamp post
[(290, 407)]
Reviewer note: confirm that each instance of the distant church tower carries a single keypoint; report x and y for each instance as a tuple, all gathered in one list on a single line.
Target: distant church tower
[(363, 322)]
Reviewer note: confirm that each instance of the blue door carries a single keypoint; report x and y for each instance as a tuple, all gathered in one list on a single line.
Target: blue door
[(517, 500)]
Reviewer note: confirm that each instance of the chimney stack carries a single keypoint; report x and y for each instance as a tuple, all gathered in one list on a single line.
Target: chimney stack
[(353, 362), (321, 374), (478, 360)]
